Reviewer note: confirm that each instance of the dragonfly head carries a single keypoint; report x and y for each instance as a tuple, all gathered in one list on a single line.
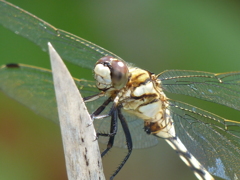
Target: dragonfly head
[(111, 73)]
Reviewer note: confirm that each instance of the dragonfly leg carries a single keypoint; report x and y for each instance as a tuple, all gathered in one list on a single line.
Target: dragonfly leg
[(113, 128), (115, 113), (128, 141), (93, 97), (111, 135), (95, 114)]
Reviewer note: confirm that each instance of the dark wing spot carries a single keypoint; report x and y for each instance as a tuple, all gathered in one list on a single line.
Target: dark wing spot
[(12, 65)]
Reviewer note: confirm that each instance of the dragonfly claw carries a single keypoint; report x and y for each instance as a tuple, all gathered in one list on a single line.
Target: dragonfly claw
[(96, 137), (91, 122)]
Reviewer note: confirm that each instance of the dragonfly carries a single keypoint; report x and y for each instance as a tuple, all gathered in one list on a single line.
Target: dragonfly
[(207, 143)]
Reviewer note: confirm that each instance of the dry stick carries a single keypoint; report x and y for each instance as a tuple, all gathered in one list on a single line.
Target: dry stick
[(82, 155)]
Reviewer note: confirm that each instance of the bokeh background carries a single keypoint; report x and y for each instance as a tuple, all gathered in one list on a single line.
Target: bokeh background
[(155, 35)]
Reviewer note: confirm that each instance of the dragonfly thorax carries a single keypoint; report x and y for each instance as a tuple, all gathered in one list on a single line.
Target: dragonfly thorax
[(143, 97)]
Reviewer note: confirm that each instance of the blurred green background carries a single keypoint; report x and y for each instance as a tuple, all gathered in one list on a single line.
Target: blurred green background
[(154, 35)]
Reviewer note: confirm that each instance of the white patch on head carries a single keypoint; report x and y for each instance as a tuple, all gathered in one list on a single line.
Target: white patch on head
[(102, 76), (121, 64), (102, 70)]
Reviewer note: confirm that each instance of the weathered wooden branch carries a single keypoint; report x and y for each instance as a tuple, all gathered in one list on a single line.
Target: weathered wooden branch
[(82, 155)]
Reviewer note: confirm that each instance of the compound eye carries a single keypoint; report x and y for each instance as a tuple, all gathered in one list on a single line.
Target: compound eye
[(118, 70), (105, 60), (119, 73)]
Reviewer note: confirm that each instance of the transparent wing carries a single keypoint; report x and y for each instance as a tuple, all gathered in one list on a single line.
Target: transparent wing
[(70, 47), (222, 88), (213, 140), (33, 87)]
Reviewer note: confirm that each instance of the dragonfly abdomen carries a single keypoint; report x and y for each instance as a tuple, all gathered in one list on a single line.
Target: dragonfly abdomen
[(200, 172)]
